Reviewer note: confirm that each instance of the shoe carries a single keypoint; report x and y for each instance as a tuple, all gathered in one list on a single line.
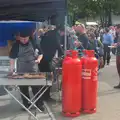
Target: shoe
[(108, 63), (117, 87)]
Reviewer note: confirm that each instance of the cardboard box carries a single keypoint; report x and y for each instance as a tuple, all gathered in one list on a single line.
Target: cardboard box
[(4, 51)]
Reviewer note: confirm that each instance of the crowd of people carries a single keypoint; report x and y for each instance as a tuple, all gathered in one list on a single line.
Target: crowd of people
[(96, 38), (51, 39), (103, 41)]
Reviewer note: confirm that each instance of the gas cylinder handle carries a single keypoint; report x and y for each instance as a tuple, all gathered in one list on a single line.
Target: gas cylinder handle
[(74, 53), (69, 53), (90, 53)]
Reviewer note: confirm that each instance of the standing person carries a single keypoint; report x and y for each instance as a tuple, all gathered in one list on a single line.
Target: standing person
[(97, 46), (113, 32), (101, 34), (117, 44), (61, 32), (71, 36), (50, 43), (82, 36), (24, 51), (94, 43), (115, 41), (107, 41), (96, 32)]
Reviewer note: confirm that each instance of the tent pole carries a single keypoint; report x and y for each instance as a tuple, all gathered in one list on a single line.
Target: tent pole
[(37, 29), (65, 41)]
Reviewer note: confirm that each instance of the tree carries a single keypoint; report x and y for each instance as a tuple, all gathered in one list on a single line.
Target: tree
[(74, 8), (79, 7), (92, 8)]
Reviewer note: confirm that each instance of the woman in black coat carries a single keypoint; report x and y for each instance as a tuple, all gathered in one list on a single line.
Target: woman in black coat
[(50, 43)]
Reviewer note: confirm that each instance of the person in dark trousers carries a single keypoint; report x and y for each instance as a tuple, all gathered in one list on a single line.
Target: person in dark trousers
[(117, 45), (50, 43), (24, 50), (107, 41)]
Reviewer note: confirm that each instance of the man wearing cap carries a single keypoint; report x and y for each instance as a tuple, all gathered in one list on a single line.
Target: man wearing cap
[(25, 52)]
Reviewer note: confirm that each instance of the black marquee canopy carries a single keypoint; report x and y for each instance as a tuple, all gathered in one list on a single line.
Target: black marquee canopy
[(33, 10)]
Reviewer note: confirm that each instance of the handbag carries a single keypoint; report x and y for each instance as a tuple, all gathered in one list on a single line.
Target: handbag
[(100, 50)]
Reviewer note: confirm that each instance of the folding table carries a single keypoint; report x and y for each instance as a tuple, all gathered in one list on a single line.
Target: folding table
[(4, 81)]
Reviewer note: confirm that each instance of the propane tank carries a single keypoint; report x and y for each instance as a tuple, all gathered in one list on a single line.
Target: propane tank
[(84, 56), (71, 86), (89, 83)]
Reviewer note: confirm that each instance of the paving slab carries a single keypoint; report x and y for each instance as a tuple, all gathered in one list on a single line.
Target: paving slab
[(107, 107)]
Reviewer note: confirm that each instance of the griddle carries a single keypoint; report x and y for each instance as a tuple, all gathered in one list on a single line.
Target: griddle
[(27, 76)]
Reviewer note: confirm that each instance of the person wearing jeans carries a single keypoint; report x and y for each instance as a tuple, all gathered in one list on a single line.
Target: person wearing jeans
[(107, 41)]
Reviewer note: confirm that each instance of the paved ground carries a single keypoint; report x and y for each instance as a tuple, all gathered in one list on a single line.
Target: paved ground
[(108, 101)]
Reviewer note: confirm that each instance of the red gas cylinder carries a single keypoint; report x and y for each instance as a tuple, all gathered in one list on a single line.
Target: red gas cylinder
[(89, 83), (84, 56), (71, 86)]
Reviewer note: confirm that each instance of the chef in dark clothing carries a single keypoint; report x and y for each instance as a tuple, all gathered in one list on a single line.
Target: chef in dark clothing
[(24, 51), (50, 43)]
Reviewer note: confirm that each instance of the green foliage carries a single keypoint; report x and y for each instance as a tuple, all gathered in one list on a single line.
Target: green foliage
[(93, 7)]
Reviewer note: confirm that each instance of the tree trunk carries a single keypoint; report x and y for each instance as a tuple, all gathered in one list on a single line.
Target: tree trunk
[(109, 16), (73, 19)]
